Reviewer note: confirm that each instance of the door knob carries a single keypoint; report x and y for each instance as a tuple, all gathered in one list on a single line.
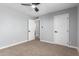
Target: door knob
[(29, 31), (56, 31)]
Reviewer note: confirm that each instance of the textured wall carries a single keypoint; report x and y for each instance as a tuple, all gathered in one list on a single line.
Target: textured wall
[(46, 33)]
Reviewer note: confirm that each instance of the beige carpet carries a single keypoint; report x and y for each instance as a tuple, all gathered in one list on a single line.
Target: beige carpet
[(37, 48)]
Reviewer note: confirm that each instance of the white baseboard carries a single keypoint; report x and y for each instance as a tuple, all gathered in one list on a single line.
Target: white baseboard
[(60, 44), (31, 40), (14, 44)]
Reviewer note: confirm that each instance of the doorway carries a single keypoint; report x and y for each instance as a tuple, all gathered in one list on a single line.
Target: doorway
[(61, 29), (31, 30), (37, 31)]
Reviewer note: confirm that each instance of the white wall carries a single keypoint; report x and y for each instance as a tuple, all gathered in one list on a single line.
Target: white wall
[(46, 28), (13, 26), (46, 33)]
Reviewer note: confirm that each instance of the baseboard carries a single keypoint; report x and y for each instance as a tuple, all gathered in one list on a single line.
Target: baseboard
[(60, 44), (13, 44), (31, 40)]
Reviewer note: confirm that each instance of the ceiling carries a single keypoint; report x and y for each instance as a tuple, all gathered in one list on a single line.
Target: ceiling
[(44, 8)]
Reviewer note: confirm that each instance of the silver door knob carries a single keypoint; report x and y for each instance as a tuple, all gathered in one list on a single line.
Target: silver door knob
[(55, 31), (29, 31)]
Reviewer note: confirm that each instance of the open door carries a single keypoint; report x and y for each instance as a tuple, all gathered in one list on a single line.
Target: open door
[(31, 29), (37, 31), (61, 29)]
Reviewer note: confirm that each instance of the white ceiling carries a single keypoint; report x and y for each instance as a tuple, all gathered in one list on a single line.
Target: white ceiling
[(44, 8)]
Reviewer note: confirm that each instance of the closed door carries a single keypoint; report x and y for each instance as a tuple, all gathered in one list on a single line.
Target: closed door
[(61, 29), (31, 30)]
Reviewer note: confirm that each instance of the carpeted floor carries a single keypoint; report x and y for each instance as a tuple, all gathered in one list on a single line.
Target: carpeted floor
[(37, 48)]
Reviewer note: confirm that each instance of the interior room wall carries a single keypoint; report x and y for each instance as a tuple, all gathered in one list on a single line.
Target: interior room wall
[(46, 26), (13, 26)]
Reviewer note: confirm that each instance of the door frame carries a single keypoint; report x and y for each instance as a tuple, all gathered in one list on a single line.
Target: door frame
[(37, 20), (28, 30)]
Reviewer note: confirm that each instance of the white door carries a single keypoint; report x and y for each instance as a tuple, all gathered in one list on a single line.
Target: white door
[(61, 29), (31, 30)]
